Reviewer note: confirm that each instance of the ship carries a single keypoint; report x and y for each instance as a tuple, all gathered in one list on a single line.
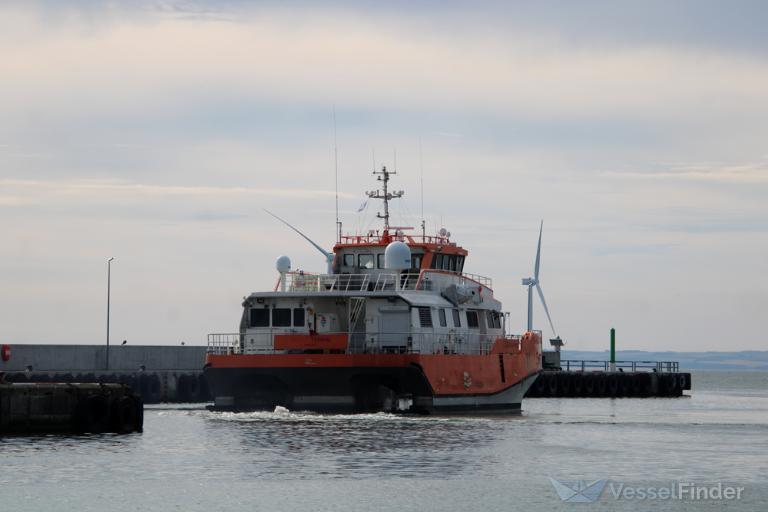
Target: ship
[(395, 324)]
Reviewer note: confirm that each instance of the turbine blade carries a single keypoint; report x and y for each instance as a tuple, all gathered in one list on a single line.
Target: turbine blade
[(546, 309), (328, 255), (538, 254)]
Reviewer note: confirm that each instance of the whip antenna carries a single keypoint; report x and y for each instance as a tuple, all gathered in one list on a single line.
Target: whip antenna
[(336, 172), (421, 180)]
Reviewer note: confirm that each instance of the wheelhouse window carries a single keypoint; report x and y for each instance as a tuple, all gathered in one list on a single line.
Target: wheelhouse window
[(425, 316), (365, 261), (379, 261), (459, 263), (494, 319), (456, 318), (437, 261), (281, 317), (416, 261), (298, 317), (472, 322), (259, 317), (349, 260), (446, 262), (441, 314)]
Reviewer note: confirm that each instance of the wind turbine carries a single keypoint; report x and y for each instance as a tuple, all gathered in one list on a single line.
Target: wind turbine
[(533, 282), (328, 255)]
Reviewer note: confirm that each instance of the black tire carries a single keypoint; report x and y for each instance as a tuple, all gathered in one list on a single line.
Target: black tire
[(625, 385), (564, 383), (589, 385), (601, 385), (92, 415), (205, 393), (641, 385), (612, 385), (123, 415), (577, 384), (682, 382), (539, 388), (552, 388), (669, 385)]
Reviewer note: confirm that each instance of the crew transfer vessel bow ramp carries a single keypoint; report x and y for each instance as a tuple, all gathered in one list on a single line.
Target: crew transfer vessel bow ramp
[(394, 325)]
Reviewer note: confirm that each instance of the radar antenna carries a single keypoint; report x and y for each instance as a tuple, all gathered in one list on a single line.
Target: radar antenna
[(383, 176)]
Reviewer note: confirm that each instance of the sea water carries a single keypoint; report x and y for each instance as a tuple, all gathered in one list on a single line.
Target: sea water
[(191, 459)]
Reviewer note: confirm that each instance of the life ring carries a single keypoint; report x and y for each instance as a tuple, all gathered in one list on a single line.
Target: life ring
[(5, 353)]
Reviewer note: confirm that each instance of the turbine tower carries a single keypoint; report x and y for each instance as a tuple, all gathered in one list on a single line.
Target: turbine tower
[(533, 282)]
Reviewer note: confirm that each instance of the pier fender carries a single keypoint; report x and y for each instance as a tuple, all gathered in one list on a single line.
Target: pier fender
[(641, 384), (589, 384), (540, 385), (92, 414), (124, 415), (564, 383), (682, 381), (601, 385), (551, 383), (670, 384), (612, 384), (577, 384)]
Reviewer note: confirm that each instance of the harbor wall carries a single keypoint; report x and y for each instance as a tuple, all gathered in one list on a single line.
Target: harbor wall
[(89, 358), (157, 373)]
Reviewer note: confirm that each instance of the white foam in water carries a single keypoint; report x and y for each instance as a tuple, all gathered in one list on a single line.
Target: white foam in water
[(279, 409)]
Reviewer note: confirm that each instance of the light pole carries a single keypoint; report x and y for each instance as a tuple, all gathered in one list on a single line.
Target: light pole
[(109, 283)]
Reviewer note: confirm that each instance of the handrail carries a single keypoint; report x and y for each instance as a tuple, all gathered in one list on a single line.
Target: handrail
[(373, 282), (634, 366), (465, 343)]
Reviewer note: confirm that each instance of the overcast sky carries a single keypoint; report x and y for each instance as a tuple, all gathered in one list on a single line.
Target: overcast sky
[(156, 132)]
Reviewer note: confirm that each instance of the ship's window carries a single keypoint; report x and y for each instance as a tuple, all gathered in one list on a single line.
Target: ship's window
[(472, 319), (298, 317), (437, 261), (365, 261), (452, 263), (491, 319), (259, 317), (416, 261), (460, 263), (456, 318), (379, 261), (441, 314), (425, 316), (281, 317), (349, 260), (446, 261), (497, 320)]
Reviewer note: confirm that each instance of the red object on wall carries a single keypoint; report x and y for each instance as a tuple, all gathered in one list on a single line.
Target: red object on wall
[(5, 352)]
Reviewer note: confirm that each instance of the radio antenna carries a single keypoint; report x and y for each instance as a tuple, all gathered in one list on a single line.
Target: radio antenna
[(336, 172), (421, 179)]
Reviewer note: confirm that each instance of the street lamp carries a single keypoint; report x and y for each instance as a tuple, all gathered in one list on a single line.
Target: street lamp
[(109, 282)]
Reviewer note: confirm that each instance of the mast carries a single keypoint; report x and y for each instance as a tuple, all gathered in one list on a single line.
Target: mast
[(383, 176)]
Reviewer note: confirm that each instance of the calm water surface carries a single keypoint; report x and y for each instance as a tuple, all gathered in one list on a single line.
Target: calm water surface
[(191, 459)]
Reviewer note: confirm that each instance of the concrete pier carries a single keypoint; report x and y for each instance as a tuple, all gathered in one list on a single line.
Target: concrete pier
[(69, 408)]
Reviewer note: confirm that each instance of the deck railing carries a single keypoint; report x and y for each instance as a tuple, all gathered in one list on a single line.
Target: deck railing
[(360, 343), (374, 282), (583, 365)]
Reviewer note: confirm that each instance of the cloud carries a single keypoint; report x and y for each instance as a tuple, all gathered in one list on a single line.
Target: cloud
[(318, 57)]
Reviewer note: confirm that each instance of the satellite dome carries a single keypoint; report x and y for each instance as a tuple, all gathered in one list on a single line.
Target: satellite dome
[(443, 232), (397, 256), (283, 264)]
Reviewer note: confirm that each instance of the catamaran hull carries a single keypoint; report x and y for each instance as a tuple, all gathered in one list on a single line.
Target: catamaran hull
[(356, 389)]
